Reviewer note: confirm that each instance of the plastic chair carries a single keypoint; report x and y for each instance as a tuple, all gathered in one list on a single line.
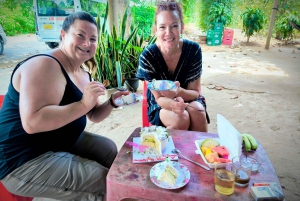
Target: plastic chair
[(1, 100), (4, 194), (146, 123)]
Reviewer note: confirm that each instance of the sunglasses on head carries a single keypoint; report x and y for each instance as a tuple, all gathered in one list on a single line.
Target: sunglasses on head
[(167, 5)]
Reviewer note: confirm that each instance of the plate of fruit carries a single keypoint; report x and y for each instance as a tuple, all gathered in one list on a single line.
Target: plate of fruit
[(212, 152)]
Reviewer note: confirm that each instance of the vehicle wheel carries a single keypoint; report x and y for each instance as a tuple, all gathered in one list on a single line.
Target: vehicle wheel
[(52, 45), (1, 46)]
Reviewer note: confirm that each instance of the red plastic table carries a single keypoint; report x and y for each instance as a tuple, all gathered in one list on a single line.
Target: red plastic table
[(128, 180)]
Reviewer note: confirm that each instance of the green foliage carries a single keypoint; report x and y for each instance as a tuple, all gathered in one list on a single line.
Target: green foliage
[(253, 21), (112, 52), (204, 9), (16, 17), (284, 27), (131, 61), (143, 17), (219, 11), (93, 7), (189, 9)]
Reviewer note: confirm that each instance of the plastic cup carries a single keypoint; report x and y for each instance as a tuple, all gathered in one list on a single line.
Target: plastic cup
[(224, 178), (256, 161), (243, 171)]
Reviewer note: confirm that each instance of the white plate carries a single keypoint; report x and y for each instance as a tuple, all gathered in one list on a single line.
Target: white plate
[(156, 85), (150, 157), (198, 151), (138, 99), (182, 180)]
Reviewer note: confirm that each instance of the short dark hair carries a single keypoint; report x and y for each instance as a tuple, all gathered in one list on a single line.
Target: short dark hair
[(169, 5), (79, 15)]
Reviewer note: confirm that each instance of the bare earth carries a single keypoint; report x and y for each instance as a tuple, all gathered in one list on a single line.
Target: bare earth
[(260, 93)]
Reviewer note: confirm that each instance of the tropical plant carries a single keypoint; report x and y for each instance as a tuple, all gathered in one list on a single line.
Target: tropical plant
[(284, 25), (111, 52), (143, 17), (219, 13), (134, 50), (210, 12), (253, 21)]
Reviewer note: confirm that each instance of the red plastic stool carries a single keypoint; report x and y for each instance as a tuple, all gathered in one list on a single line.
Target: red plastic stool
[(4, 194), (145, 107), (7, 196), (1, 100)]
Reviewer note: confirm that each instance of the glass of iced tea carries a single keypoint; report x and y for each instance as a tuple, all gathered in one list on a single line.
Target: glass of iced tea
[(243, 171), (224, 178)]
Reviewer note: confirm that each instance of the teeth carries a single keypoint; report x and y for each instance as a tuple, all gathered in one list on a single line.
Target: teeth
[(83, 50)]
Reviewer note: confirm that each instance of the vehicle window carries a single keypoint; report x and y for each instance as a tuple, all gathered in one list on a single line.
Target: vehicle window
[(55, 7)]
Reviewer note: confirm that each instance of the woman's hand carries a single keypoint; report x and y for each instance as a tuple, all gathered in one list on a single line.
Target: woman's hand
[(91, 92), (119, 93), (171, 93), (178, 105)]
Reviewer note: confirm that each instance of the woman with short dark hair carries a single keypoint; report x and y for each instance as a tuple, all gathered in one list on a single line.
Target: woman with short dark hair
[(44, 150)]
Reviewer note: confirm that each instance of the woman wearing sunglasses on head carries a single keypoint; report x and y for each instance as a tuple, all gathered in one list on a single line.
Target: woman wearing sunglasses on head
[(179, 60)]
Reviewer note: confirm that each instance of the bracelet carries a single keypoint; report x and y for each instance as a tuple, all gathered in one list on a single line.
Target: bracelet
[(112, 102)]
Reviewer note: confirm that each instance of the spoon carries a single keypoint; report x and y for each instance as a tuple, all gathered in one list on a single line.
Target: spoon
[(179, 152)]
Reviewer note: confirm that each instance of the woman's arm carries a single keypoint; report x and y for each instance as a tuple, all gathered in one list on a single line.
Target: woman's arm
[(101, 111), (41, 85), (192, 92)]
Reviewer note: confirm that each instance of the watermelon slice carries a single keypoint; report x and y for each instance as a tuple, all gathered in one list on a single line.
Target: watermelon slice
[(223, 160), (209, 142), (221, 150)]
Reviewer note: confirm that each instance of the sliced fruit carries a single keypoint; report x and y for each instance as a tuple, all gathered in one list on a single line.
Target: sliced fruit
[(208, 151), (223, 160), (211, 158), (221, 150), (203, 149), (210, 142)]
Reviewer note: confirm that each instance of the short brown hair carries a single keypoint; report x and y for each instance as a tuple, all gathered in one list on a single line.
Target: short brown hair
[(169, 5)]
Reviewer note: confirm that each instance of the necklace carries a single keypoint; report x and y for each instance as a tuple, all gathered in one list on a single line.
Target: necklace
[(66, 57)]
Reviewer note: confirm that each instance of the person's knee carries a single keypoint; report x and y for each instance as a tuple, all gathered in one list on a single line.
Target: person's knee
[(183, 121), (198, 121)]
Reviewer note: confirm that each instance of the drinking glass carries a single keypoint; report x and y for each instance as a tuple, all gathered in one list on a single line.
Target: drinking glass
[(224, 178), (243, 171), (256, 161)]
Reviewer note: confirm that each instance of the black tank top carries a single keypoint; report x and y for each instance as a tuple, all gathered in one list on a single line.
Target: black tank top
[(17, 146)]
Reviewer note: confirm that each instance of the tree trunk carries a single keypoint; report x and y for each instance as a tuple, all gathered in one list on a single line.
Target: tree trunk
[(116, 10), (274, 10)]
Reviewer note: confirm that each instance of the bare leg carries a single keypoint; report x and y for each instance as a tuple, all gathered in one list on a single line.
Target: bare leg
[(198, 120), (174, 121)]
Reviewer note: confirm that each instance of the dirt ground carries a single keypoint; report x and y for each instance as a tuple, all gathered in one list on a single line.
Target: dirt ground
[(260, 93)]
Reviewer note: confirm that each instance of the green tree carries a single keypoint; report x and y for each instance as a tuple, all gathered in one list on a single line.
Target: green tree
[(253, 21), (283, 25), (143, 17), (215, 11), (16, 17), (219, 12)]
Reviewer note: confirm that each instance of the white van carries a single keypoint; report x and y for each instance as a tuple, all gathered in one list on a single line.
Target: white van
[(50, 14), (2, 39)]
